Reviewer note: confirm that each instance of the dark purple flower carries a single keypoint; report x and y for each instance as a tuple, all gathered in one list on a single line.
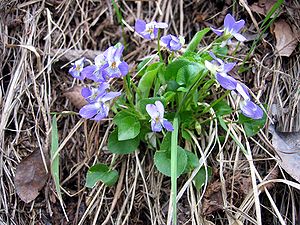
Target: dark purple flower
[(148, 30), (231, 27), (99, 107), (115, 67), (76, 69), (156, 112), (251, 110), (172, 42)]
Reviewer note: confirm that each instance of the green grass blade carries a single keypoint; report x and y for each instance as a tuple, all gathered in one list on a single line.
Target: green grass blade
[(174, 140), (55, 161)]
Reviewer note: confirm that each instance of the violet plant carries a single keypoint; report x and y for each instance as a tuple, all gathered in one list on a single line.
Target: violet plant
[(168, 100)]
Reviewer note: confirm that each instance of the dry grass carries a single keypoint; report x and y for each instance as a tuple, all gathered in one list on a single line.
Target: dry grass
[(38, 38)]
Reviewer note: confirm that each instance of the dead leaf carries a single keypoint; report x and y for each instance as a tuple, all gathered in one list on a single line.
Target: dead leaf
[(262, 6), (31, 176), (286, 39), (75, 97), (287, 146)]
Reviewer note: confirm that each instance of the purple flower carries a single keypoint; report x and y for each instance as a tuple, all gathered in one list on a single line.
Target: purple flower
[(156, 112), (148, 30), (99, 105), (172, 42), (231, 27), (115, 67), (91, 94), (220, 69), (248, 108), (76, 69), (251, 110), (95, 72)]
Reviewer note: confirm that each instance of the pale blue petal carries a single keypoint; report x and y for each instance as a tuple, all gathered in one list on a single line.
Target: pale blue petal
[(167, 125)]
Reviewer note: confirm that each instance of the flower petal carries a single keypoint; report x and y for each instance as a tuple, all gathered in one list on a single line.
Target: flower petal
[(226, 81), (166, 39), (161, 25), (90, 110), (239, 37), (88, 71), (110, 95), (102, 113), (218, 32), (229, 22), (238, 25), (243, 91), (86, 92), (251, 110), (124, 68), (160, 108), (140, 26), (152, 111), (167, 125), (228, 67), (156, 126)]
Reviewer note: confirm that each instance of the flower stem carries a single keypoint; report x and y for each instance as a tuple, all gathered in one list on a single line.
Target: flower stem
[(158, 46), (174, 140)]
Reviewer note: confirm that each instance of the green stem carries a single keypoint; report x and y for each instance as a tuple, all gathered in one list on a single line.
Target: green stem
[(158, 46), (174, 140)]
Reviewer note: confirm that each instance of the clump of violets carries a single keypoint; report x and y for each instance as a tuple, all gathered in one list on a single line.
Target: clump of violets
[(231, 27), (172, 42), (148, 30), (156, 112), (107, 65)]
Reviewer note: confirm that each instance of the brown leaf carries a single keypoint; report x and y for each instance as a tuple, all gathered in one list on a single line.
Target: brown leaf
[(262, 6), (31, 176), (75, 97), (286, 39), (287, 146)]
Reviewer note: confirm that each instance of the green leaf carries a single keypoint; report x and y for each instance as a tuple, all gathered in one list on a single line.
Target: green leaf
[(122, 147), (252, 126), (128, 126), (192, 46), (172, 68), (199, 179), (222, 108), (162, 161), (192, 161), (141, 68), (187, 74), (101, 172), (145, 83)]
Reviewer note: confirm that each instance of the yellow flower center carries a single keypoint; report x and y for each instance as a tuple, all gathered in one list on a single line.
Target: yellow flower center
[(114, 65)]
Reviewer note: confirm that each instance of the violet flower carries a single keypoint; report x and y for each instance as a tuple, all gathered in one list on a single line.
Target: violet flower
[(91, 94), (231, 27), (99, 105), (172, 42), (248, 108), (76, 69), (95, 72), (115, 67), (148, 30), (220, 70), (156, 112)]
